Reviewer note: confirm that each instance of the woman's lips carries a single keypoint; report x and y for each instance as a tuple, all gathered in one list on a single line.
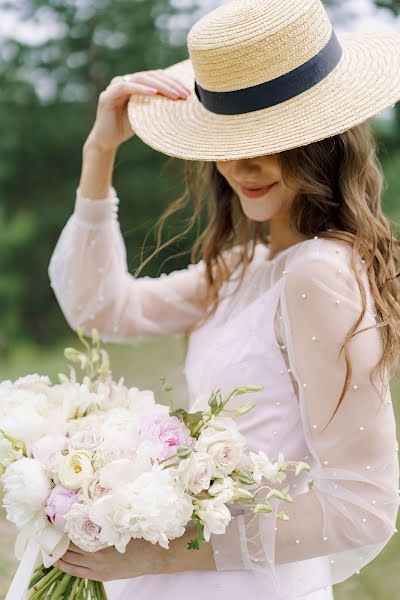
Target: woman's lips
[(256, 192)]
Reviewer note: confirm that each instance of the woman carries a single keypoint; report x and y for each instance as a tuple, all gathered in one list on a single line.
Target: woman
[(278, 134)]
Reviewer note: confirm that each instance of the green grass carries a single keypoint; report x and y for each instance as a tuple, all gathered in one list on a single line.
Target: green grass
[(143, 365)]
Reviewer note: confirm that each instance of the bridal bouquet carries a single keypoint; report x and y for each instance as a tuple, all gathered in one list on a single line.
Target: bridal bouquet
[(99, 464)]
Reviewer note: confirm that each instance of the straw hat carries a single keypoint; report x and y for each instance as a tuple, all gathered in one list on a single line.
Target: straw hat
[(267, 76)]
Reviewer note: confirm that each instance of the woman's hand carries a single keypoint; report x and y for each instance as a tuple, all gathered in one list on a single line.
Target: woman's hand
[(140, 558), (112, 127)]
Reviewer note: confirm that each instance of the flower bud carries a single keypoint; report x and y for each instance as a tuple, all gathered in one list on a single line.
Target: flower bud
[(263, 508), (245, 478), (184, 451)]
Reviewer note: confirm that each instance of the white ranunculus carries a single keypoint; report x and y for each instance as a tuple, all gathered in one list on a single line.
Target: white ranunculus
[(223, 442), (154, 507), (26, 489), (223, 490), (75, 468), (195, 472), (263, 467), (214, 515), (81, 530)]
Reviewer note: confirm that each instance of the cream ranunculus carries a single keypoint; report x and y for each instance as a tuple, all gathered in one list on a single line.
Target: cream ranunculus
[(75, 468), (223, 442), (195, 472), (214, 515)]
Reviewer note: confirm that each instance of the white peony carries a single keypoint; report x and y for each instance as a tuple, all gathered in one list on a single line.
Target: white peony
[(26, 489), (81, 530), (195, 472), (223, 490), (214, 515), (153, 507), (263, 467), (142, 402), (27, 416), (223, 442), (75, 468)]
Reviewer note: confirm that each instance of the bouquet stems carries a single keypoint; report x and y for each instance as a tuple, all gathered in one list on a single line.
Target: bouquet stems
[(53, 584)]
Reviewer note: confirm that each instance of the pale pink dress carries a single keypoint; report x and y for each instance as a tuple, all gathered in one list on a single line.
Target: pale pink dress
[(282, 330)]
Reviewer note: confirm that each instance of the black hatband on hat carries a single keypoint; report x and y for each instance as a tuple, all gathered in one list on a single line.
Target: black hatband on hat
[(275, 91)]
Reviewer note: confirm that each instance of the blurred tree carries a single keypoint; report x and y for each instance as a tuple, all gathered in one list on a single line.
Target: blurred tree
[(48, 95)]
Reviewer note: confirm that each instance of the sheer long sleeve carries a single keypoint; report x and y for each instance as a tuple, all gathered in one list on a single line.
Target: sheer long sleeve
[(89, 276), (350, 513)]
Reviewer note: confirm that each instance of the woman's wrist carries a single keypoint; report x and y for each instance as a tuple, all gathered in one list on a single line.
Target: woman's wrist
[(97, 170), (179, 558)]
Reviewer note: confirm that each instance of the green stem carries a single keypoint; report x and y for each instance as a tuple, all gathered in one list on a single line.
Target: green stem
[(72, 594), (44, 583), (171, 465), (102, 591), (61, 587), (160, 462)]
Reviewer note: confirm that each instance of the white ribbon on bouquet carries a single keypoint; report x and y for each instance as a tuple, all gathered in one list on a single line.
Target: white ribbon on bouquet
[(33, 550)]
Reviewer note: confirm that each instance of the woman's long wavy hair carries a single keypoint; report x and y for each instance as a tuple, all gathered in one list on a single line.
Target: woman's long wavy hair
[(340, 183)]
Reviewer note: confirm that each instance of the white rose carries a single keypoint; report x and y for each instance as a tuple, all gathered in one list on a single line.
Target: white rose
[(263, 467), (85, 440), (223, 490), (74, 469), (81, 529), (223, 442), (26, 489), (195, 472), (214, 515), (92, 490)]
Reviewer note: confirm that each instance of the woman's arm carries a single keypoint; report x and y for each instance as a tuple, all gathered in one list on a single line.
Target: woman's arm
[(140, 558), (349, 515), (88, 269)]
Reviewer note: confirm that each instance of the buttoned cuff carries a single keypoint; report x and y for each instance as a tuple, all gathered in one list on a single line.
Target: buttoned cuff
[(95, 211)]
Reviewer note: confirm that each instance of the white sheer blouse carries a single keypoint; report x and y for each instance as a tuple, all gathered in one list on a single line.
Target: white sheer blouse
[(350, 513)]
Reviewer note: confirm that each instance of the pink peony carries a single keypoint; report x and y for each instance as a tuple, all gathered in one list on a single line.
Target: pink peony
[(168, 431), (58, 505)]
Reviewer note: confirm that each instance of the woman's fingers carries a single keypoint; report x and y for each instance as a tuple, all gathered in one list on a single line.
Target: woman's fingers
[(75, 559), (74, 571), (163, 78), (147, 81)]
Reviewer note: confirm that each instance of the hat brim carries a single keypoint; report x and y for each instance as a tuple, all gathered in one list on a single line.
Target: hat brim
[(365, 83)]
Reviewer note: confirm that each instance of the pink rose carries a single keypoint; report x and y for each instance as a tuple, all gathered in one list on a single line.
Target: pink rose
[(47, 450), (58, 505), (168, 431)]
